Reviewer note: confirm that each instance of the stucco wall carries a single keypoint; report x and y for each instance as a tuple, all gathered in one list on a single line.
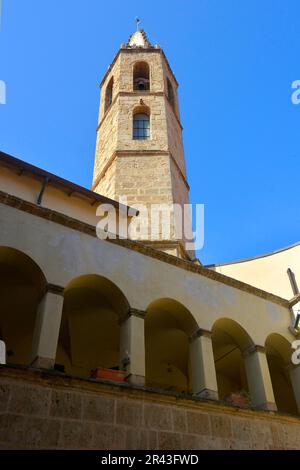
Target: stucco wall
[(63, 254), (268, 272)]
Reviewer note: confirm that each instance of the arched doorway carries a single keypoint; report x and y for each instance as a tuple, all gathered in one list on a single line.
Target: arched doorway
[(168, 326), (229, 340), (22, 285), (90, 332), (279, 352)]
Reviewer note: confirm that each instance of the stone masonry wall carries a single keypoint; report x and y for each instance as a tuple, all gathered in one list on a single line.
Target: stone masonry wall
[(42, 410)]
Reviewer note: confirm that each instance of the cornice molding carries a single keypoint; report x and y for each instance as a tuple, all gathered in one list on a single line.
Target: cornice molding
[(62, 219)]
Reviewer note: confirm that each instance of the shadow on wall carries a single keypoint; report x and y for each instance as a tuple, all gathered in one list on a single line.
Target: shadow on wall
[(90, 335), (168, 326), (22, 286), (90, 331)]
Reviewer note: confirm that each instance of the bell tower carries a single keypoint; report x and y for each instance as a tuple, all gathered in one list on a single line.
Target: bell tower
[(139, 149)]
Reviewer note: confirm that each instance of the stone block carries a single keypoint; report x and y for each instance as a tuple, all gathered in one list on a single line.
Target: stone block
[(261, 435), (31, 432), (190, 442), (13, 429), (42, 432), (98, 408), (169, 441), (241, 429), (65, 405), (291, 436), (278, 436), (129, 412), (221, 426), (4, 395), (136, 440), (198, 423), (179, 420), (76, 435), (152, 440), (157, 417), (29, 400), (109, 437)]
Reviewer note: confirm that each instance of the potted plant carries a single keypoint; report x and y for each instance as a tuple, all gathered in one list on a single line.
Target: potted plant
[(239, 398), (113, 374)]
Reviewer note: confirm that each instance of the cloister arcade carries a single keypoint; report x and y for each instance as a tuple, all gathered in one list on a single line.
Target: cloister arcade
[(90, 323)]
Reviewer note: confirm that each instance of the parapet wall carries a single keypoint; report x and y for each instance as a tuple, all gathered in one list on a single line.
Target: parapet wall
[(46, 411)]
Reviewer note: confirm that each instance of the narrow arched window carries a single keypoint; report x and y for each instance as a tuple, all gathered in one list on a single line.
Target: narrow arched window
[(141, 126), (109, 94), (141, 74), (171, 96)]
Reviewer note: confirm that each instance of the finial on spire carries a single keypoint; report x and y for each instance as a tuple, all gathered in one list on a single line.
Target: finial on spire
[(138, 22)]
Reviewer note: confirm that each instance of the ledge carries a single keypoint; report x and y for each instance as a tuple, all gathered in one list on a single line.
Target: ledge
[(48, 378)]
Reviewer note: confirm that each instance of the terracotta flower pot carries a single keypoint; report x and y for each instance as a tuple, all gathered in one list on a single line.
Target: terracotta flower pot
[(108, 374), (237, 399)]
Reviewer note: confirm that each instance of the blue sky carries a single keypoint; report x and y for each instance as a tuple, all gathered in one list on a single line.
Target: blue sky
[(235, 61)]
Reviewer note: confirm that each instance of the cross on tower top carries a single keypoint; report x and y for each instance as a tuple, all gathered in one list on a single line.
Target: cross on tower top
[(138, 22)]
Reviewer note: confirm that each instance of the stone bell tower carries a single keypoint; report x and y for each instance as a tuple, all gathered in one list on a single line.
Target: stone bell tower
[(139, 149)]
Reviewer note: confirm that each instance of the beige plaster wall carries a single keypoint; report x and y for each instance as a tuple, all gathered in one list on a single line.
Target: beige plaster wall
[(28, 188), (63, 254), (268, 272)]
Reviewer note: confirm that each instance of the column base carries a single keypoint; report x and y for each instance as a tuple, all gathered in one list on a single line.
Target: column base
[(136, 380), (43, 363), (269, 406), (207, 394)]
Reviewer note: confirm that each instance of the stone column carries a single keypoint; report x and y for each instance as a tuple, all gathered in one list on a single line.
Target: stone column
[(204, 378), (259, 379), (132, 346), (294, 372), (2, 352), (46, 330)]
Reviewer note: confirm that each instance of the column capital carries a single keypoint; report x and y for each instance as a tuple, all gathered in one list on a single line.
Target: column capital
[(198, 333), (54, 289), (132, 312), (253, 349)]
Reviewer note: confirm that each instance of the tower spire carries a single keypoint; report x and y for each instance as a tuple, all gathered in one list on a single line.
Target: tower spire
[(139, 37)]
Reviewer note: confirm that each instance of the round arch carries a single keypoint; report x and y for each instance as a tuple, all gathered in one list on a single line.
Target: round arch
[(22, 285), (168, 326), (141, 76), (141, 109), (90, 332), (279, 352), (141, 123), (230, 340)]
